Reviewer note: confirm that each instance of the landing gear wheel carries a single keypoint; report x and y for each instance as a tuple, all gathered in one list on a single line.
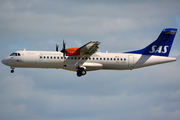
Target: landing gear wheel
[(79, 74), (83, 72), (12, 71)]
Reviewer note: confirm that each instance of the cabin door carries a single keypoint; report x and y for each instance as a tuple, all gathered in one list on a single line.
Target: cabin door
[(131, 61)]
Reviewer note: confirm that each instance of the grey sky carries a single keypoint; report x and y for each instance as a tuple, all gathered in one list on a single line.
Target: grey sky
[(34, 94)]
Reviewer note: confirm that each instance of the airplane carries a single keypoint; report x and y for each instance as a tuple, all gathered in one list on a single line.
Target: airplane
[(86, 58)]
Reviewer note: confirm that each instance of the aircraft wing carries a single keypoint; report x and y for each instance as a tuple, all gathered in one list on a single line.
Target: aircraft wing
[(89, 48)]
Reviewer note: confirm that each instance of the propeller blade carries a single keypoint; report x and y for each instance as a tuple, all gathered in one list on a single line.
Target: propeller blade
[(57, 46), (64, 48), (64, 45)]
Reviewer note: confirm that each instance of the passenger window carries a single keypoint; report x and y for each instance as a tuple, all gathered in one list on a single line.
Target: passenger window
[(100, 58), (61, 57), (111, 58), (79, 58), (104, 58), (71, 58), (117, 58), (51, 57), (57, 57), (86, 58), (47, 57), (54, 57), (40, 57), (121, 59), (96, 58), (44, 57), (93, 58), (75, 58), (68, 58), (114, 58), (107, 58), (64, 57), (89, 58), (124, 59), (82, 58)]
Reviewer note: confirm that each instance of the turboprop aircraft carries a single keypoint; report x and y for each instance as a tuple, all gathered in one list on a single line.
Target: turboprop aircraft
[(86, 58)]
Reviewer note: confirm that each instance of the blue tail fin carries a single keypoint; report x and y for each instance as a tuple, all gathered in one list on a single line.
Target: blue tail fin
[(161, 46)]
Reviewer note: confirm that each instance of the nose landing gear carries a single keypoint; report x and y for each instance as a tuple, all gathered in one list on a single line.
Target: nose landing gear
[(12, 71)]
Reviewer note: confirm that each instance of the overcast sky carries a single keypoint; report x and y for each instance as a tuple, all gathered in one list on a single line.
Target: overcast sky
[(151, 93)]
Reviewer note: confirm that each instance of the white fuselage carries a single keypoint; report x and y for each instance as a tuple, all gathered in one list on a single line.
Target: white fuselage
[(97, 61)]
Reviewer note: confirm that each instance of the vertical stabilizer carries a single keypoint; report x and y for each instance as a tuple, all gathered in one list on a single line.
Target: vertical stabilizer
[(161, 46)]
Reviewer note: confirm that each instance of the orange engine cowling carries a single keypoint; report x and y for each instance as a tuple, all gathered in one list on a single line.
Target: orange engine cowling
[(72, 51)]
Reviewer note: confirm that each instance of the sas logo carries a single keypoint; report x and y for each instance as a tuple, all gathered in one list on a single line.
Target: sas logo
[(160, 49)]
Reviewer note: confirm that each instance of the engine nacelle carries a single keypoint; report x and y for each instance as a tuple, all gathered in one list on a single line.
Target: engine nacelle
[(72, 52)]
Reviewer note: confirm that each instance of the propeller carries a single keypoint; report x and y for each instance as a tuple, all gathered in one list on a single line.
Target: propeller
[(57, 46), (64, 48)]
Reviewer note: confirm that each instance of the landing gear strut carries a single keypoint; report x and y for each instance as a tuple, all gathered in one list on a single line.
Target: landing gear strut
[(80, 72), (12, 71)]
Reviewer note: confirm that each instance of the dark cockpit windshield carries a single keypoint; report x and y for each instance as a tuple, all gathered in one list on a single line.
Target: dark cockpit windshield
[(15, 54)]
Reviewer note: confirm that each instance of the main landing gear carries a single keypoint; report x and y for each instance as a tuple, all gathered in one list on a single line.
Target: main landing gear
[(80, 72), (12, 71)]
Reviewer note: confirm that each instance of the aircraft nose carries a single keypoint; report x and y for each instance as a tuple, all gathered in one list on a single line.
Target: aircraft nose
[(4, 61)]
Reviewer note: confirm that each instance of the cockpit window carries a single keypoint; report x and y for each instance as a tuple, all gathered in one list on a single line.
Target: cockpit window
[(15, 54)]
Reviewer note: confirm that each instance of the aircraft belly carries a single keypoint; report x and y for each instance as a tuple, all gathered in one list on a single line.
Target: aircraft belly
[(38, 65), (116, 66), (88, 66)]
